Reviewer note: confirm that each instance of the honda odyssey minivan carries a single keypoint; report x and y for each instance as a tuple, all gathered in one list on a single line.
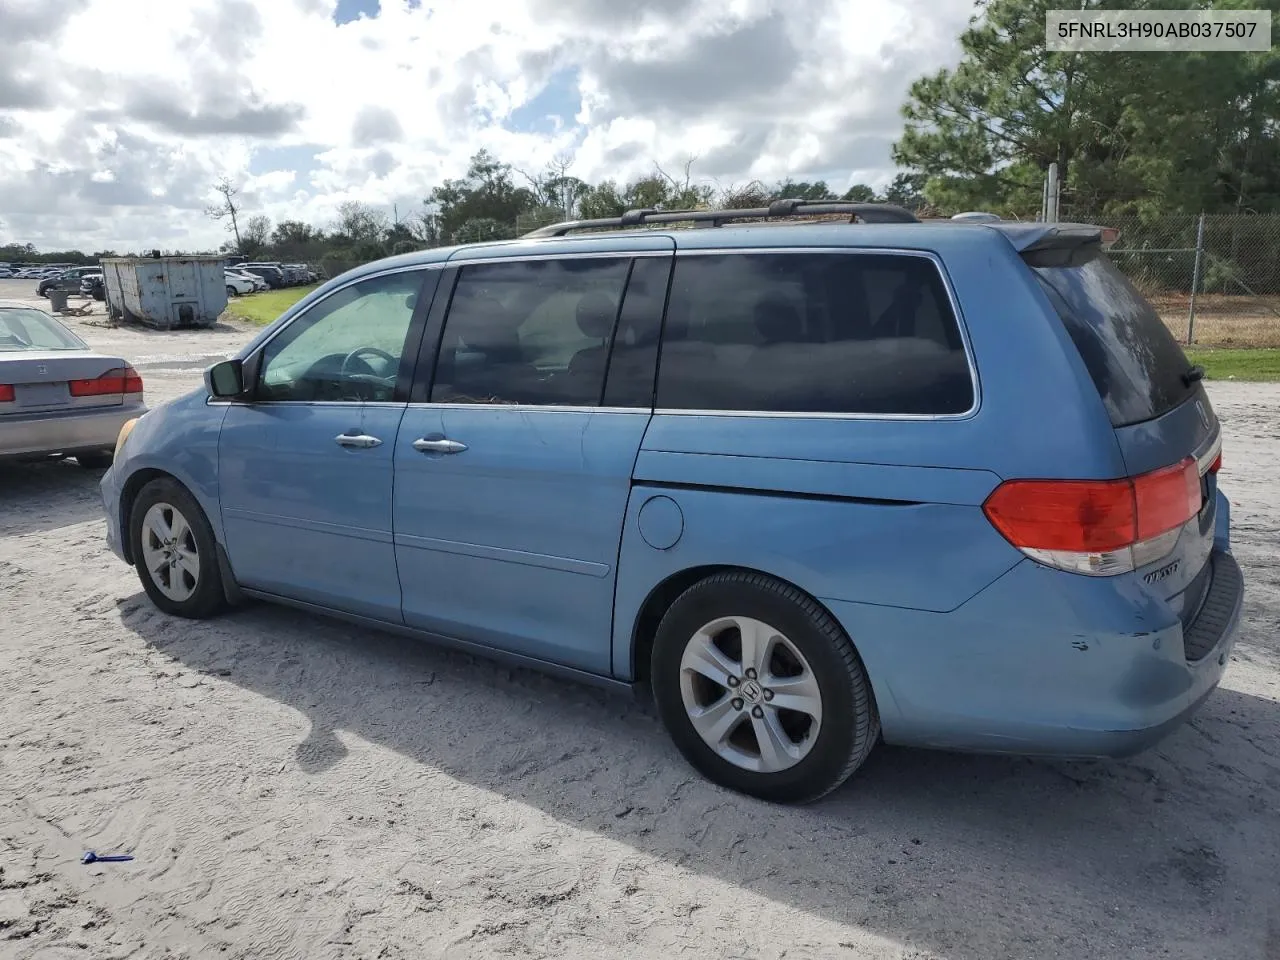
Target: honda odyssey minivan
[(813, 483)]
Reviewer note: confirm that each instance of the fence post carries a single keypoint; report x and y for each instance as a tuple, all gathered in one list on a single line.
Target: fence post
[(1051, 195), (1195, 281)]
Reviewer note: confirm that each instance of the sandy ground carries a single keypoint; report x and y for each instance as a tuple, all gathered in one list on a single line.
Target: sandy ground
[(296, 788)]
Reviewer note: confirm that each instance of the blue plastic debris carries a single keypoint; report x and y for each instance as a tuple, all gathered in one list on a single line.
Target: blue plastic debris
[(91, 857)]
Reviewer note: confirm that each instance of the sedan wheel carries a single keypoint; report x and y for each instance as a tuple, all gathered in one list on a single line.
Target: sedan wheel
[(750, 694), (170, 552)]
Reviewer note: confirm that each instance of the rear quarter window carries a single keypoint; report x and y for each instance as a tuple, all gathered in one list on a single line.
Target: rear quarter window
[(801, 332), (1132, 358)]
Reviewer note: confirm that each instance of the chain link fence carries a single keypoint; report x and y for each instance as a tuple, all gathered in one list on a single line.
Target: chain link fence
[(1214, 279)]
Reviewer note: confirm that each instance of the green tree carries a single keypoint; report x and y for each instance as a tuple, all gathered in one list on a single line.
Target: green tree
[(860, 193), (601, 201), (294, 233), (1131, 132), (487, 193), (255, 235), (906, 190)]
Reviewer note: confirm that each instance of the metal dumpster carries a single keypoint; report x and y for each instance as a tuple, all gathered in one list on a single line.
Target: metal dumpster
[(165, 292)]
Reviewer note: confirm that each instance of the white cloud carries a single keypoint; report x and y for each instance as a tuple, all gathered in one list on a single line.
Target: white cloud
[(116, 116)]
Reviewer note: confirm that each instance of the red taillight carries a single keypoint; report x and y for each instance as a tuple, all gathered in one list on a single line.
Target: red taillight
[(1213, 467), (1079, 516), (6, 393), (119, 380), (1167, 498), (1090, 518)]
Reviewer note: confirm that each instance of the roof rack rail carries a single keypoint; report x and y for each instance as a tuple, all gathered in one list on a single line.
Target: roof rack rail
[(866, 212)]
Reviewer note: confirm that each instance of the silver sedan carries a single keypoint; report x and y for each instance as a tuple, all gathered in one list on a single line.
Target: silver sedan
[(57, 397)]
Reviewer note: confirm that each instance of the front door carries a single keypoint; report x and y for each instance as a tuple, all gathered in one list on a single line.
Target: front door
[(305, 467), (511, 483)]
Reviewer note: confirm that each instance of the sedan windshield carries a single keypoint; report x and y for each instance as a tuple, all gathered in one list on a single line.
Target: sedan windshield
[(22, 328)]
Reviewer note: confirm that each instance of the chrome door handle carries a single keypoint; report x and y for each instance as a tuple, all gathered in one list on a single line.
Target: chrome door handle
[(358, 441), (438, 445)]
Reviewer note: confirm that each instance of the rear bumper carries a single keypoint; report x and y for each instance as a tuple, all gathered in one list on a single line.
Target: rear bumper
[(1046, 664), (66, 432)]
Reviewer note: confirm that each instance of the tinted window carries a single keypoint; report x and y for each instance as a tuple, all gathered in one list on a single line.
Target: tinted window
[(346, 347), (1134, 360), (530, 332), (812, 332), (634, 358)]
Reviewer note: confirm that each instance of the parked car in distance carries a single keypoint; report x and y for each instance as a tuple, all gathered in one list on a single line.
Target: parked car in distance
[(257, 281), (57, 396), (299, 274), (67, 280), (238, 284), (812, 484), (271, 274), (91, 285)]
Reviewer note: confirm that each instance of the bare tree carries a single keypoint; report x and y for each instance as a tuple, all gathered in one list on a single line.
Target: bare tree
[(227, 208), (681, 191), (257, 233), (742, 196), (360, 222), (554, 187)]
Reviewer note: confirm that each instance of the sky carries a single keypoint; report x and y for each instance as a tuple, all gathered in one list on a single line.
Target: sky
[(117, 117)]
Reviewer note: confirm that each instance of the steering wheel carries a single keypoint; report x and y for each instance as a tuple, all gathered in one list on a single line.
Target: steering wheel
[(358, 354)]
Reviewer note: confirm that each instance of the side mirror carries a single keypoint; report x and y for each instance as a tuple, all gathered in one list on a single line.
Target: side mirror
[(225, 379)]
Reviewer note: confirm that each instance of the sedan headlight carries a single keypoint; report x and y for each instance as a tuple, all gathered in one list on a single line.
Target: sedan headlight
[(124, 433)]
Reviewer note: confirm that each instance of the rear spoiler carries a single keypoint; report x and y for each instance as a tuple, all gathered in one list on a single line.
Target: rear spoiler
[(1060, 244)]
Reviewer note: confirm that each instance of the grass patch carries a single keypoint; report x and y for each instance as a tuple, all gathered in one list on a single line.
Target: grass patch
[(262, 308), (1238, 364)]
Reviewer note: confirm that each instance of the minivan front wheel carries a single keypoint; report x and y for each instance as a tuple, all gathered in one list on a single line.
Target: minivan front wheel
[(761, 689), (174, 551)]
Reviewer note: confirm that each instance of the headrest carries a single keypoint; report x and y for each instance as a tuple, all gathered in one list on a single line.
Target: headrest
[(487, 322), (596, 313), (777, 320)]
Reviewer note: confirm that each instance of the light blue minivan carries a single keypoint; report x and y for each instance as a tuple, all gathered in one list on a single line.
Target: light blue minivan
[(811, 482)]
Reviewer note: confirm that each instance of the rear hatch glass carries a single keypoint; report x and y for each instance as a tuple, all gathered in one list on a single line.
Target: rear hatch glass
[(1158, 407), (1135, 362)]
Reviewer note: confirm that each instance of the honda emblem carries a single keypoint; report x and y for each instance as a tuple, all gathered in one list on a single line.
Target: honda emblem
[(42, 369)]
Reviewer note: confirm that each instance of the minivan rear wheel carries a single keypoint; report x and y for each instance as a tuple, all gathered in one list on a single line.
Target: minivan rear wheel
[(761, 689)]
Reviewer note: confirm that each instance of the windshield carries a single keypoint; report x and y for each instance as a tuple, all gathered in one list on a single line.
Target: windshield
[(1133, 359), (22, 328)]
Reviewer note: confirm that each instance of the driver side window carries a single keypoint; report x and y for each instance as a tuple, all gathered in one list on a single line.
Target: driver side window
[(346, 348)]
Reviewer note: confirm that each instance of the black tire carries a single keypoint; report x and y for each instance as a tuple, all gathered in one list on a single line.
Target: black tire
[(231, 292), (850, 724), (95, 460), (207, 598)]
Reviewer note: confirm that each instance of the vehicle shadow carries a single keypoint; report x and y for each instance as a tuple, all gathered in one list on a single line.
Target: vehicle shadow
[(962, 857), (47, 495)]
